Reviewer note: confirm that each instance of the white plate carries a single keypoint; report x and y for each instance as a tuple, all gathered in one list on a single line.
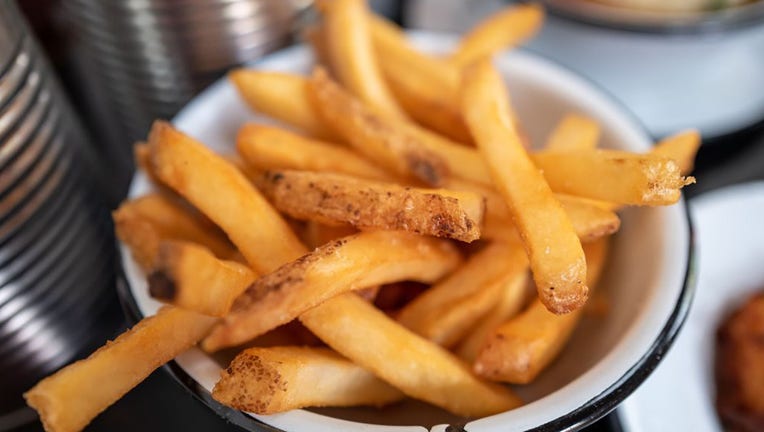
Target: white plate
[(606, 358), (679, 396)]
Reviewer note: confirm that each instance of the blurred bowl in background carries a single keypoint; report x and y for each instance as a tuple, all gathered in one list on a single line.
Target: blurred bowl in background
[(674, 70)]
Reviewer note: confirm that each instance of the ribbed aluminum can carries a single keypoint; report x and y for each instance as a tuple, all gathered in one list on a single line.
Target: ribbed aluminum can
[(145, 59), (57, 253)]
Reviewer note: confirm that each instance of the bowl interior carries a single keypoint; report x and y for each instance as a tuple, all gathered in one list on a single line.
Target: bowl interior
[(642, 283)]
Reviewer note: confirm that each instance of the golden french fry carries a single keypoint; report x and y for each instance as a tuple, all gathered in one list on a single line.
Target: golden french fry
[(590, 219), (611, 175), (521, 348), (142, 156), (364, 204), (574, 132), (282, 96), (317, 234), (426, 87), (352, 54), (414, 365), (378, 137), (188, 276), (252, 173), (681, 147), (141, 223), (363, 260), (511, 302), (224, 195), (315, 36), (554, 251), (278, 379), (505, 29), (268, 147), (69, 399), (446, 312)]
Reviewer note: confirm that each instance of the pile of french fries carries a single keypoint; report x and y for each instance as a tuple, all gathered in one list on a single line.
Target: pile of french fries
[(389, 162)]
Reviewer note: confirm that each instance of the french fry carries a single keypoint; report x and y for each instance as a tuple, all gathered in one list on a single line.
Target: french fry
[(69, 399), (268, 147), (426, 87), (315, 36), (574, 132), (339, 199), (252, 173), (417, 367), (224, 195), (141, 223), (590, 220), (352, 54), (520, 349), (188, 276), (461, 161), (278, 379), (448, 310), (282, 96), (141, 153), (360, 261), (374, 135), (317, 234), (510, 303), (615, 176), (681, 147), (554, 251), (507, 28)]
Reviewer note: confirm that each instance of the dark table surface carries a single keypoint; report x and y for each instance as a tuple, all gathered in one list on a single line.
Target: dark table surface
[(162, 404)]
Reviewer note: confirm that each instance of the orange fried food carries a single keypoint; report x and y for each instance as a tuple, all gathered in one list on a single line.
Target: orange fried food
[(740, 368)]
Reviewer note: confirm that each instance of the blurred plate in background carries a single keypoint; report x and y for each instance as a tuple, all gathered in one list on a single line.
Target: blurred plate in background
[(679, 395), (674, 71)]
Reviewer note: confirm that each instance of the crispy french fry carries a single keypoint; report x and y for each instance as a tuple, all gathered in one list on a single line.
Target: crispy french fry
[(268, 147), (251, 172), (352, 54), (554, 251), (512, 299), (141, 153), (374, 135), (426, 87), (590, 219), (315, 36), (224, 195), (448, 310), (334, 198), (278, 379), (360, 261), (282, 96), (612, 175), (574, 132), (681, 147), (188, 276), (69, 399), (502, 30), (417, 367), (141, 223), (461, 161), (317, 234), (520, 349)]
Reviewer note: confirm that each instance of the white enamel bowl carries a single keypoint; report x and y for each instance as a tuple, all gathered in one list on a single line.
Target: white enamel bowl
[(647, 279)]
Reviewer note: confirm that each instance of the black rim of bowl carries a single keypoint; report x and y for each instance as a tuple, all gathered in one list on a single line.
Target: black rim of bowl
[(588, 413)]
